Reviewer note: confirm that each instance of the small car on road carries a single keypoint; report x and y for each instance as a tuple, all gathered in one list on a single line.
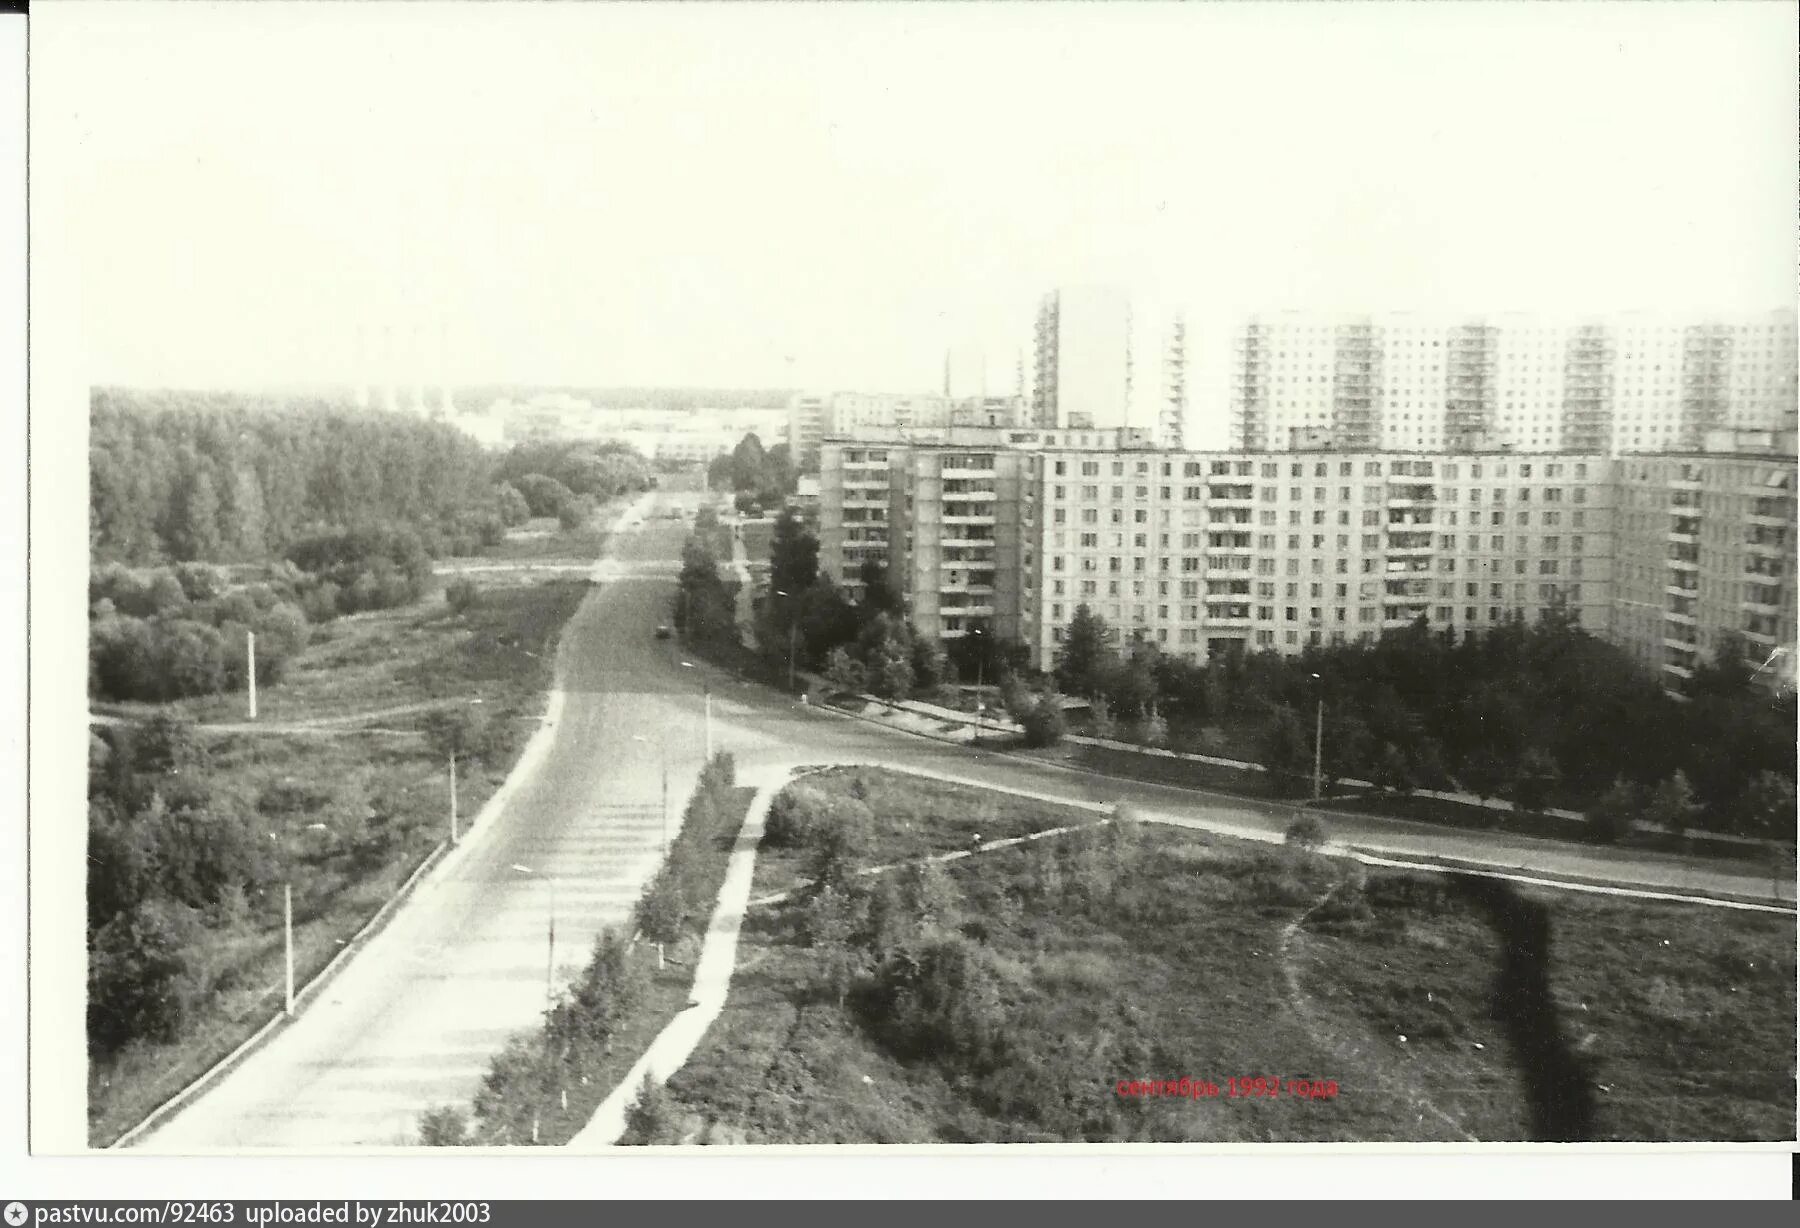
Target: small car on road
[(663, 632)]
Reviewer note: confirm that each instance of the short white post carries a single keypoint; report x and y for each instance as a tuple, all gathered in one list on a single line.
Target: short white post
[(453, 799), (287, 926), (250, 651)]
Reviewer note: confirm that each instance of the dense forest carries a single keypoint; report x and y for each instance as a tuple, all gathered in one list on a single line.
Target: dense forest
[(339, 510), (179, 477)]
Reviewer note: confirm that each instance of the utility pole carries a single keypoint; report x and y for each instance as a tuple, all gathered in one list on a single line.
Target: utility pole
[(250, 651), (550, 959), (287, 928), (1318, 749), (793, 648), (453, 833), (709, 744)]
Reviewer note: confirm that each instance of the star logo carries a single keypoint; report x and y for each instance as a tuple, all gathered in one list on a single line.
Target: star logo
[(15, 1214)]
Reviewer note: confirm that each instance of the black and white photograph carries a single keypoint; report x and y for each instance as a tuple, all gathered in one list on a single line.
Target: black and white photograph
[(968, 577)]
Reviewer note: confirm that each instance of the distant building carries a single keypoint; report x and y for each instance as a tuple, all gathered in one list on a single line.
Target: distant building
[(812, 417), (1619, 385), (1083, 348)]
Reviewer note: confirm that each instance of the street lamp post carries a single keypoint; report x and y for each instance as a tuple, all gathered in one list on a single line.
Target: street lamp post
[(980, 684), (793, 637), (1319, 741), (453, 833), (706, 692)]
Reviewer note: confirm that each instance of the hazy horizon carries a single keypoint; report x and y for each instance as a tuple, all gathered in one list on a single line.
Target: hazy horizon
[(821, 197)]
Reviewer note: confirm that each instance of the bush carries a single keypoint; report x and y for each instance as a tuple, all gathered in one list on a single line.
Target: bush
[(443, 1126), (942, 1003), (1044, 724), (792, 820), (1611, 817), (198, 855), (1307, 832), (661, 911), (140, 980), (461, 596), (199, 581)]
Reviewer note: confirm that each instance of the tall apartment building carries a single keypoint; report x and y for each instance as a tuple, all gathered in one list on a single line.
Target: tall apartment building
[(1083, 350), (1705, 553), (1622, 385), (875, 494), (1205, 553)]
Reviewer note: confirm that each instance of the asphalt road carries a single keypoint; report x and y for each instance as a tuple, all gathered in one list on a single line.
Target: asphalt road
[(414, 1019)]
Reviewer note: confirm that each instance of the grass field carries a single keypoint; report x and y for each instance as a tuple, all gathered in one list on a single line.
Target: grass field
[(350, 814), (1166, 953), (545, 538)]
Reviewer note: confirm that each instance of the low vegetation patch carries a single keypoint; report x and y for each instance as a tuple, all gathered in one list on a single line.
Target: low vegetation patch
[(1006, 996)]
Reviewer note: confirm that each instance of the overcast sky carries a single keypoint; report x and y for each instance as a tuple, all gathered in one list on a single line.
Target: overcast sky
[(828, 196)]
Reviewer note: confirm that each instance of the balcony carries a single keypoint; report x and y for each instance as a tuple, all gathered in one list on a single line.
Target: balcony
[(1683, 564), (1756, 605)]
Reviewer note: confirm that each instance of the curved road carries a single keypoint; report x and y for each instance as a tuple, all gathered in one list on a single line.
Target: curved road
[(414, 1019)]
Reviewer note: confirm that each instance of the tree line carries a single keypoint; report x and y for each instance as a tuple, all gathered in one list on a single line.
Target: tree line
[(1538, 714), (180, 477)]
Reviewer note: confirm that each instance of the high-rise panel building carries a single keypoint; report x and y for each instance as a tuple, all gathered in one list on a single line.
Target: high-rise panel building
[(1619, 385), (1083, 349)]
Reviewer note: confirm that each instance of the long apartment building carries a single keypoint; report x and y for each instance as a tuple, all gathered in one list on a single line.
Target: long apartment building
[(1207, 553), (1627, 384)]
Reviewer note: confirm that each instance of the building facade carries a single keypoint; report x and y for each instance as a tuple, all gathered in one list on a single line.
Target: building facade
[(1207, 553), (1627, 384), (813, 417), (1706, 561)]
